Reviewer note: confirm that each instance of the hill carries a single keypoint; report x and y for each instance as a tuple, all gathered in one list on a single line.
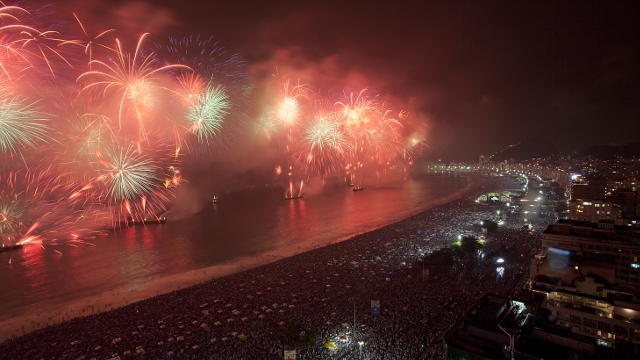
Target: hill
[(534, 147)]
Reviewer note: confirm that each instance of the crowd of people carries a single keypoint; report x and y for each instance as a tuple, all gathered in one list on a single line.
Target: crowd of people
[(318, 302)]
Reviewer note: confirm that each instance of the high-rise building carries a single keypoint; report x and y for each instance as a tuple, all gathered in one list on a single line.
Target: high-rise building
[(590, 276)]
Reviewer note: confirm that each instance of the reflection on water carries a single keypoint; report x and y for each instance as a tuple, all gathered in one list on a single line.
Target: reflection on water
[(242, 224)]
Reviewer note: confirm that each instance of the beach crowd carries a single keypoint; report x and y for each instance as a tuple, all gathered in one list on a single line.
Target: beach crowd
[(318, 303)]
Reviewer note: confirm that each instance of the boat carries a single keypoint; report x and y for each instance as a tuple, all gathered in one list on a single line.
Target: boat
[(358, 188), (215, 199), (133, 222), (4, 247), (292, 197)]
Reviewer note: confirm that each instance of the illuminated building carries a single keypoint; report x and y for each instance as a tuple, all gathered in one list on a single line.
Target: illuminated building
[(589, 274)]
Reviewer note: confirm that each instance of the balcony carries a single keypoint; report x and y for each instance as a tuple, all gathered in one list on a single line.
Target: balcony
[(582, 308)]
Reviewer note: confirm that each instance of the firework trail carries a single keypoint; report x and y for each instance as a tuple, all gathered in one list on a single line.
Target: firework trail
[(90, 42), (12, 25), (32, 43)]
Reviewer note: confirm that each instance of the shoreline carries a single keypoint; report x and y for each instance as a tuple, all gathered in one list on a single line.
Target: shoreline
[(57, 313)]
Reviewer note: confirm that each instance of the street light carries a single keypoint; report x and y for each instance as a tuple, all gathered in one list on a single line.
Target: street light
[(360, 343)]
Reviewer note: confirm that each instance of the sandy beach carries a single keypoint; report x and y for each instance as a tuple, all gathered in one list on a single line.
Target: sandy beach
[(44, 314)]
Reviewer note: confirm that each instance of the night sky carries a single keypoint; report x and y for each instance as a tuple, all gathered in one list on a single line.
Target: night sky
[(480, 74)]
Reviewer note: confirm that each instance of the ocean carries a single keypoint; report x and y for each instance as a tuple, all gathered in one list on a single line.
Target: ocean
[(244, 224)]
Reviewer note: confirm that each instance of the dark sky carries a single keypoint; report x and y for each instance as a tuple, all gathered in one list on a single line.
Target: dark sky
[(481, 74)]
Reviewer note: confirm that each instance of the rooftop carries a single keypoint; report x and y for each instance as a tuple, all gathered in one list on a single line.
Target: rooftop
[(605, 231)]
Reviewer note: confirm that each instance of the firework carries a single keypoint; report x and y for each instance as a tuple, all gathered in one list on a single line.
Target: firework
[(205, 109), (191, 87), (372, 133), (413, 147), (92, 135), (357, 110), (22, 124), (206, 115), (90, 43), (12, 25), (32, 42), (88, 137), (37, 205), (130, 175), (322, 147), (11, 211), (44, 46), (288, 110), (208, 59), (135, 80), (82, 141), (132, 185), (217, 85)]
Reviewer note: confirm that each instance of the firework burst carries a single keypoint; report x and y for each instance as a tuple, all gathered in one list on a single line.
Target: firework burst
[(266, 124), (132, 182), (22, 124), (130, 175), (217, 90), (322, 147), (206, 115), (372, 133), (413, 147), (134, 80), (82, 141)]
